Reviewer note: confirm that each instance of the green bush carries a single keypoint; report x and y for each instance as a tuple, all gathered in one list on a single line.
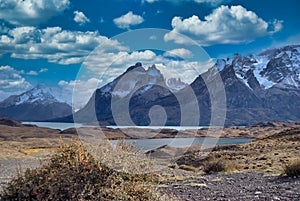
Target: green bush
[(73, 174), (293, 169)]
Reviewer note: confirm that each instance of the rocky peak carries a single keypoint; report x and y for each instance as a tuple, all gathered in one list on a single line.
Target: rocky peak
[(279, 66), (40, 94), (175, 84), (138, 65)]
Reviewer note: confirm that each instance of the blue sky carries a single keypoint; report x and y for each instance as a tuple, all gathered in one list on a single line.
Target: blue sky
[(49, 40)]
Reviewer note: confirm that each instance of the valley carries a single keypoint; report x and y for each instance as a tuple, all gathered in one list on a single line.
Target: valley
[(276, 144)]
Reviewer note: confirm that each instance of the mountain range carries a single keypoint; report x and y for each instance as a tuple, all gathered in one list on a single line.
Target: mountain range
[(261, 87), (38, 104)]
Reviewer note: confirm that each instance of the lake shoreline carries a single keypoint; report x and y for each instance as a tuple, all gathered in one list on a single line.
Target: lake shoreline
[(115, 133), (275, 144)]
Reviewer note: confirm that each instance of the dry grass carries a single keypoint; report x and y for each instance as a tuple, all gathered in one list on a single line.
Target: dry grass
[(74, 174), (214, 165), (292, 169), (188, 168), (264, 155)]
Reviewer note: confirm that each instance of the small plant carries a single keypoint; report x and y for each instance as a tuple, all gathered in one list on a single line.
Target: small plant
[(73, 174), (292, 169), (214, 165)]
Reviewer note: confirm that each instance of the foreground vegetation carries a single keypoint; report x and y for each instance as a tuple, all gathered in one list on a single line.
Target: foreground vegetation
[(292, 169), (73, 174), (276, 154)]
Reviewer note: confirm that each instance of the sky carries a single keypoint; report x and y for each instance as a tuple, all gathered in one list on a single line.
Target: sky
[(67, 43)]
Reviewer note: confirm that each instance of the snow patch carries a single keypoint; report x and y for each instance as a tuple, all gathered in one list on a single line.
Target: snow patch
[(245, 81), (22, 99), (220, 64), (260, 65), (263, 81)]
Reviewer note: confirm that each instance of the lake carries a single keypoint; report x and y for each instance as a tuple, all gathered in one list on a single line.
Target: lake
[(179, 128), (63, 126), (149, 144), (54, 125)]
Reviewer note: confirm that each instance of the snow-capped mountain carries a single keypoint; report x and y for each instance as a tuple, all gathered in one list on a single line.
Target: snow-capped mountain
[(37, 104), (38, 95), (280, 67), (261, 87), (137, 83)]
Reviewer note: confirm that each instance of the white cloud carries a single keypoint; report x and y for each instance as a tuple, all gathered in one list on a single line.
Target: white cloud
[(30, 12), (80, 90), (127, 20), (114, 64), (43, 70), (187, 71), (225, 25), (52, 43), (80, 18), (12, 82), (32, 72), (180, 52), (153, 37), (209, 2), (110, 65)]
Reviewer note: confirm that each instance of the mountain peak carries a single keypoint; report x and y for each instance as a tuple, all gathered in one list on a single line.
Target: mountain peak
[(278, 66), (37, 104), (137, 65), (41, 94)]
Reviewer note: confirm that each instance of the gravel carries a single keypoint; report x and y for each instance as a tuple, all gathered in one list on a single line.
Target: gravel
[(237, 186)]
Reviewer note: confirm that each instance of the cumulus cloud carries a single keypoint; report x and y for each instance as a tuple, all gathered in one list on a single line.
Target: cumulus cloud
[(12, 82), (127, 20), (80, 18), (52, 43), (187, 71), (225, 25), (30, 12), (112, 64), (180, 52), (80, 90), (109, 65)]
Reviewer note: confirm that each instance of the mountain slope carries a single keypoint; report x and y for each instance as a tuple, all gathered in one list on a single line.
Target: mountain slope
[(262, 87), (138, 87), (37, 104)]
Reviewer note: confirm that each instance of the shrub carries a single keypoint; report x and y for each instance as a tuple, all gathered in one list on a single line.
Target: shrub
[(188, 168), (293, 169), (214, 165), (73, 174)]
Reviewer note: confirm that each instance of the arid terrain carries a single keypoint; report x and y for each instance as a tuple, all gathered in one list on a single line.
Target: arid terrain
[(256, 169)]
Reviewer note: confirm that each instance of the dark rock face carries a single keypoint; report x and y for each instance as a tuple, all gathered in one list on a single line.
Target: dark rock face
[(37, 104), (36, 112), (258, 88)]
